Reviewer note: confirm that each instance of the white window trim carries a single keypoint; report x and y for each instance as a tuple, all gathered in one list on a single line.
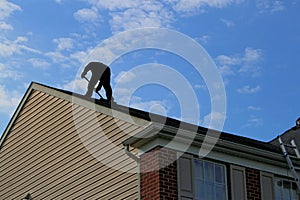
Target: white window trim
[(192, 158), (213, 162)]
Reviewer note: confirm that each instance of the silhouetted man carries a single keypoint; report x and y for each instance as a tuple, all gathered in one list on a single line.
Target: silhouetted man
[(100, 72)]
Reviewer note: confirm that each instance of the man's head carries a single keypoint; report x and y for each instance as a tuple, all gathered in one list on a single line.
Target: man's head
[(298, 122)]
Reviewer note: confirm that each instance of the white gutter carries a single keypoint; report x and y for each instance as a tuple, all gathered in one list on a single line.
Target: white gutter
[(137, 160)]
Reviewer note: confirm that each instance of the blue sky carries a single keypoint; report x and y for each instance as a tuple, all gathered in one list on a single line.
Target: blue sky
[(255, 45)]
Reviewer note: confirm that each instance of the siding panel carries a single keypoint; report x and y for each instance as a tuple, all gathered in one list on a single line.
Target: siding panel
[(45, 156)]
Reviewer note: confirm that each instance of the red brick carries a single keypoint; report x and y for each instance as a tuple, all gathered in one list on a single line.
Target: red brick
[(159, 175), (253, 184)]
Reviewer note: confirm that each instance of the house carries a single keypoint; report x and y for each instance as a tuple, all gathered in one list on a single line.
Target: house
[(59, 145)]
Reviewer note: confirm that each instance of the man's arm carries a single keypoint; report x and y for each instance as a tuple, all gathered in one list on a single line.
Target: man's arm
[(86, 69)]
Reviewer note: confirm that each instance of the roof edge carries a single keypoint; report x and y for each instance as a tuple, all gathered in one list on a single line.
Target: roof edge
[(16, 113), (141, 118)]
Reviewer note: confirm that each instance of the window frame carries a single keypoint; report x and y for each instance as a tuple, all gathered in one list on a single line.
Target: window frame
[(276, 178), (185, 176), (214, 165)]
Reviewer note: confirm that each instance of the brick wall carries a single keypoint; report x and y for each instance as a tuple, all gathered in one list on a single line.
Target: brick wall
[(253, 184), (159, 175)]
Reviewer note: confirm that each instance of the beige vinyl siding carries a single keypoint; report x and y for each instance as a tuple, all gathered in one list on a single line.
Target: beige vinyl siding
[(43, 155)]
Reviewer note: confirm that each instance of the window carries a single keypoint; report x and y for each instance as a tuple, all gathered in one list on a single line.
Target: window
[(201, 180), (209, 180), (285, 190)]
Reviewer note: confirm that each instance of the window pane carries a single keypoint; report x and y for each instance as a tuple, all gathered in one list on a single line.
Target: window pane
[(220, 192), (278, 189), (219, 174), (198, 169), (294, 191), (209, 181), (209, 172), (209, 191), (200, 191), (286, 190)]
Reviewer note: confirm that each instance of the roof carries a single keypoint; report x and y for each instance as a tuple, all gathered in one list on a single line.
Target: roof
[(164, 129), (169, 122), (291, 134)]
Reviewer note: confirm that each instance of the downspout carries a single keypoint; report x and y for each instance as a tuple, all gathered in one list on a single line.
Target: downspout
[(137, 160)]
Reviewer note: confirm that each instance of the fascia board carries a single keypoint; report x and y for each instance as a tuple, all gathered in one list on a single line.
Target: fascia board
[(164, 137)]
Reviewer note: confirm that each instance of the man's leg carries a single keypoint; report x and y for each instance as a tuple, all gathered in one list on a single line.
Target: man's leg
[(91, 86), (105, 82), (108, 91)]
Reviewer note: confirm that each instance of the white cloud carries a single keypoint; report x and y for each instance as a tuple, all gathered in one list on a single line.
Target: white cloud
[(252, 55), (250, 61), (200, 5), (77, 85), (214, 120), (39, 63), (5, 72), (147, 14), (254, 108), (203, 39), (249, 90), (57, 57), (87, 15), (254, 121), (7, 8), (270, 5), (131, 14), (63, 43), (116, 4), (124, 77), (8, 100), (80, 56), (278, 6), (229, 60), (228, 23), (200, 86), (8, 48), (156, 107), (21, 39), (5, 26), (226, 70), (247, 63)]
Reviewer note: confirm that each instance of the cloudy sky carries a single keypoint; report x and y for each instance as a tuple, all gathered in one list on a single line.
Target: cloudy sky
[(254, 44)]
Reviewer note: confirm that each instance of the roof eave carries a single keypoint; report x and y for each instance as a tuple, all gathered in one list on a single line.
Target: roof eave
[(159, 135)]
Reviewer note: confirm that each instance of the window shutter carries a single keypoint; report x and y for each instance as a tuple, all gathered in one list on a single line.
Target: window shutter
[(267, 186), (185, 180), (238, 183)]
